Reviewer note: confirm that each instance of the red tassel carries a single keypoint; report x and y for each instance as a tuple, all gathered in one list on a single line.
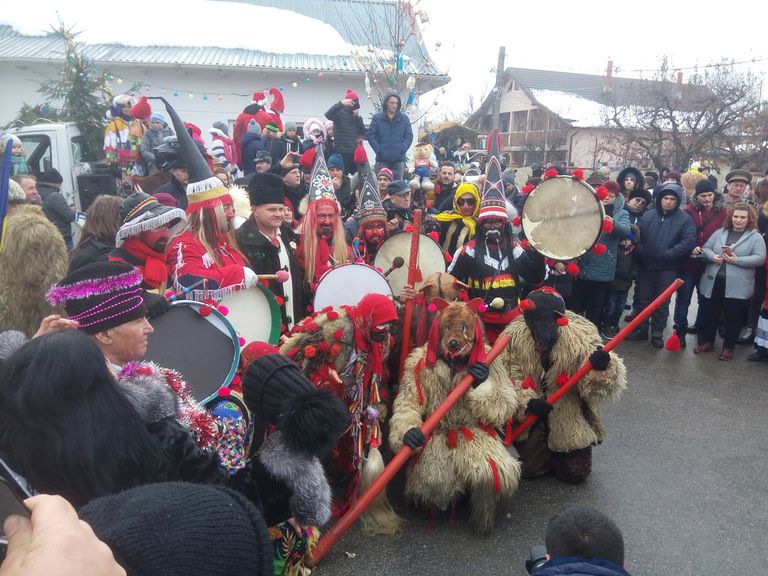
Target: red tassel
[(434, 235), (419, 366), (508, 433), (408, 229), (527, 189), (599, 249), (602, 193), (524, 244), (468, 436), (224, 392), (517, 221), (572, 268), (607, 226), (310, 351), (529, 383), (549, 262), (562, 379), (562, 321), (280, 300), (359, 155), (496, 478), (453, 439), (447, 257), (551, 173), (292, 352), (527, 305), (578, 174), (673, 343), (338, 335)]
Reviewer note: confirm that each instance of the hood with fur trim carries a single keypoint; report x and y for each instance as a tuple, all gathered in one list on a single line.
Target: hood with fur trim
[(639, 178)]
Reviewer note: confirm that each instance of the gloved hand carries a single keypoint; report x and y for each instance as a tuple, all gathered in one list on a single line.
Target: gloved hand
[(414, 438), (251, 278), (156, 304), (479, 371), (538, 407), (600, 359)]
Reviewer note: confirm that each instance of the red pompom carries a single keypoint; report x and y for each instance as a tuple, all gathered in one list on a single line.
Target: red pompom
[(310, 351), (224, 391), (602, 193), (551, 173), (205, 311), (432, 307), (241, 341), (280, 300), (562, 321), (527, 305), (517, 221), (599, 249), (524, 244), (223, 310), (529, 383), (578, 174), (324, 347), (607, 226), (312, 326), (332, 315), (408, 229), (338, 335), (561, 379), (527, 189), (572, 268), (309, 308), (447, 257), (434, 235), (673, 343), (549, 262), (359, 156), (335, 349)]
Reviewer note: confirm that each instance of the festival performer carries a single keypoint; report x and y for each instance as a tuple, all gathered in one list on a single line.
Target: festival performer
[(345, 351), (206, 250), (457, 226), (262, 112), (371, 218), (123, 134), (464, 454), (492, 263), (323, 245), (547, 345), (267, 242)]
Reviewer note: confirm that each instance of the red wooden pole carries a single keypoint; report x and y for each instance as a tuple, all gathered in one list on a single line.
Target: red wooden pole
[(414, 275)]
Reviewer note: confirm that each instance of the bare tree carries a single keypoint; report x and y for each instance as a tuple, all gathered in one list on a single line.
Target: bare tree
[(671, 122)]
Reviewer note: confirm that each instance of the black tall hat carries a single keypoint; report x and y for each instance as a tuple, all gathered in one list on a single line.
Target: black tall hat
[(493, 203)]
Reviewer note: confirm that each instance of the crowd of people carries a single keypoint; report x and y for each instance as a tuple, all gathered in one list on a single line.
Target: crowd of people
[(293, 438)]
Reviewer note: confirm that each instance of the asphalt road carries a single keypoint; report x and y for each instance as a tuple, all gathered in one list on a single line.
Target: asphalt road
[(683, 472)]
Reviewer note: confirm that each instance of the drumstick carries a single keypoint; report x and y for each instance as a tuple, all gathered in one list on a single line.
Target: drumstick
[(185, 291), (281, 276)]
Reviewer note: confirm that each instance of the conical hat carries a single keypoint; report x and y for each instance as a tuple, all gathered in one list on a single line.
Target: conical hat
[(493, 203), (320, 183), (370, 207)]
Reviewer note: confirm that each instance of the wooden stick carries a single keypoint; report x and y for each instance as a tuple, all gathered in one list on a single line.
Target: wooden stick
[(414, 275)]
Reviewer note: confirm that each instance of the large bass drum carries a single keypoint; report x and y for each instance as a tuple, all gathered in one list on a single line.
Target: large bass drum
[(346, 285), (204, 350), (255, 314), (562, 218), (431, 259)]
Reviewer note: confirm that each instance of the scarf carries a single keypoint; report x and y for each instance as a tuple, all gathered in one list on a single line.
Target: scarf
[(468, 221), (154, 270)]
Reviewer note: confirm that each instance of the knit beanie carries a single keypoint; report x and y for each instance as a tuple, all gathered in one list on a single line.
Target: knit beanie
[(219, 125), (387, 173), (277, 391), (100, 296), (290, 126), (351, 94), (157, 117), (642, 193), (336, 161), (16, 192), (180, 529)]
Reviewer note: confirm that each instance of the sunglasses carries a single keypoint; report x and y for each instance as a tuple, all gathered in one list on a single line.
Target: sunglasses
[(465, 202)]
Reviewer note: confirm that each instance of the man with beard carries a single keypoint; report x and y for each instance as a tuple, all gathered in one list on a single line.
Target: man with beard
[(547, 345), (142, 240), (323, 245), (491, 263), (446, 187), (371, 217)]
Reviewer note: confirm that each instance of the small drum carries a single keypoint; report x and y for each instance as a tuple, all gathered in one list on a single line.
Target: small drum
[(431, 259), (204, 350), (562, 218), (347, 284), (255, 314)]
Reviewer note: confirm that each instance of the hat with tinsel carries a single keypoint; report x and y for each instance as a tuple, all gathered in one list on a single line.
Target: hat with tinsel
[(204, 189), (320, 183), (140, 212), (493, 203), (100, 296)]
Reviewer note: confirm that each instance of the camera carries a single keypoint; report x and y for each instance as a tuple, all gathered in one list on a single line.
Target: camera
[(537, 557)]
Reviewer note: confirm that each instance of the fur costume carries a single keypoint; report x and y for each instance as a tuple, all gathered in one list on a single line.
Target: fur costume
[(464, 453), (33, 257), (333, 344), (574, 423)]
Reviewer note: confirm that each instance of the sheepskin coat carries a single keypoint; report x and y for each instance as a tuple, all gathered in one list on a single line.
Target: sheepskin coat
[(464, 452), (574, 422)]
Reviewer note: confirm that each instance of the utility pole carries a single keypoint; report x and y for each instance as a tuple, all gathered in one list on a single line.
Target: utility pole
[(498, 90)]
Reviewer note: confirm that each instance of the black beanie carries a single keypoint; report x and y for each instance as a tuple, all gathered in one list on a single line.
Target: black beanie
[(277, 391), (175, 528), (704, 186)]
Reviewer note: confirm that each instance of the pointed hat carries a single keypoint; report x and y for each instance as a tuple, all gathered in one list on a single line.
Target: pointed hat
[(320, 183), (370, 207), (204, 190), (493, 203)]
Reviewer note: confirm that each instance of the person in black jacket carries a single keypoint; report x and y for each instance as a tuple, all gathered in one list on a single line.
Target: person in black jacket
[(667, 236), (348, 127), (269, 245), (288, 142), (97, 239), (54, 205)]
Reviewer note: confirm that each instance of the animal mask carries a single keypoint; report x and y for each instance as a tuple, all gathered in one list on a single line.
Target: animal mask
[(456, 334)]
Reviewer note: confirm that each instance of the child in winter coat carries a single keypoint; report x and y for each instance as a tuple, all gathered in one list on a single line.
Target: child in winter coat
[(154, 136)]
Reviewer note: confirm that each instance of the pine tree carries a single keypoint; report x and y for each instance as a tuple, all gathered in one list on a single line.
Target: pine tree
[(84, 92)]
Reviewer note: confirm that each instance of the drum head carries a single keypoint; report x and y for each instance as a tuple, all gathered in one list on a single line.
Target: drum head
[(562, 218), (205, 351), (346, 285), (431, 259), (255, 314)]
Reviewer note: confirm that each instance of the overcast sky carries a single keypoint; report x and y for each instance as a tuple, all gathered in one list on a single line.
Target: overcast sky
[(582, 36)]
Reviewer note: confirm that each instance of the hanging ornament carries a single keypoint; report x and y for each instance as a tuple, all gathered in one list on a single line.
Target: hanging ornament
[(295, 84), (411, 82), (220, 97), (400, 62), (321, 74), (175, 92), (281, 88), (307, 80), (411, 97), (162, 90), (147, 88), (367, 84), (191, 96), (438, 44), (205, 96), (119, 80)]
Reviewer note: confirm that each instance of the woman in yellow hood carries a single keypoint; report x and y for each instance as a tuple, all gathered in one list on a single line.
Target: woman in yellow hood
[(457, 227)]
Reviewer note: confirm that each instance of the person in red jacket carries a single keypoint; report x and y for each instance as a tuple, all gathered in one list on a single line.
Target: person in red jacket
[(708, 212)]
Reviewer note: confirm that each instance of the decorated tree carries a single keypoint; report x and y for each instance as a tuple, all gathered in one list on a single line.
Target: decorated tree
[(80, 94)]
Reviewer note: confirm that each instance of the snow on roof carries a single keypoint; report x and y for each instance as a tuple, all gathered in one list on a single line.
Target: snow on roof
[(181, 23), (580, 112)]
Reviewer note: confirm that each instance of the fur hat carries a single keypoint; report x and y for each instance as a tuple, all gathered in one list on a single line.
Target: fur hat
[(175, 528), (704, 186), (140, 212), (644, 194), (265, 188), (277, 391), (100, 296)]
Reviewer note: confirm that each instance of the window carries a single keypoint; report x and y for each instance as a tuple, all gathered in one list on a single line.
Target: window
[(38, 149), (504, 122)]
